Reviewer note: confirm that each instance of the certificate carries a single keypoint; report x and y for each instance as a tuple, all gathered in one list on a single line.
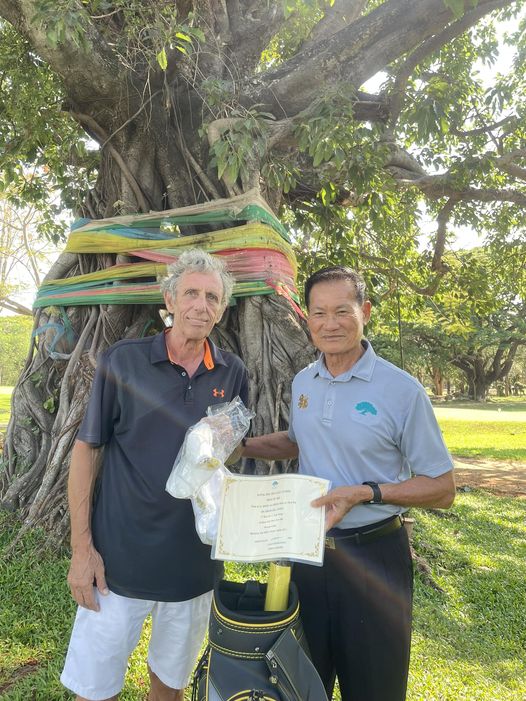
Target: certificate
[(271, 518)]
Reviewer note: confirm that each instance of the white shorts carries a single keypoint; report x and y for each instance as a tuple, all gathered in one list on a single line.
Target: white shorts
[(102, 641)]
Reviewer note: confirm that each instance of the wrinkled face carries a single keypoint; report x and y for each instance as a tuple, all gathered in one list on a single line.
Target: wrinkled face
[(336, 319), (197, 305)]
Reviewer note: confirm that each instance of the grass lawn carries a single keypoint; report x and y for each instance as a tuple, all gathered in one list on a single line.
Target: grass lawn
[(494, 430), (468, 641), (5, 405), (493, 403), (501, 440)]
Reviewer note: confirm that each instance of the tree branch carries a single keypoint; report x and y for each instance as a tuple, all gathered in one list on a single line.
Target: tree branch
[(11, 12), (505, 164), (385, 266), (101, 136), (463, 365), (76, 64), (514, 170), (251, 26), (211, 17), (437, 186), (399, 158), (440, 241), (352, 55), (203, 177), (14, 306), (337, 16), (482, 130), (500, 369), (430, 46)]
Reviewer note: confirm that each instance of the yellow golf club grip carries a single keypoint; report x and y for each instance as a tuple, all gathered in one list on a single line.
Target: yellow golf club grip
[(277, 597)]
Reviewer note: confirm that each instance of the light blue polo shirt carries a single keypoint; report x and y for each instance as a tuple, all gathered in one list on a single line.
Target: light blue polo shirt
[(371, 423)]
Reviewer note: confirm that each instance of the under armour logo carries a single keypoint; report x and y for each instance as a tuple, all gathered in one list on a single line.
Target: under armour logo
[(218, 392)]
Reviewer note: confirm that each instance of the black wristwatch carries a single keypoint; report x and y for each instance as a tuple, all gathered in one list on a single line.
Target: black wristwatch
[(377, 494)]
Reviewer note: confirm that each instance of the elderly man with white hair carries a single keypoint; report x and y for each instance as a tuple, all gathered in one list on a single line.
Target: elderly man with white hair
[(135, 550)]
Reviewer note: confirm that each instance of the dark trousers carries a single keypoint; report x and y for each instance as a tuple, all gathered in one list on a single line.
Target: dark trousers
[(356, 612)]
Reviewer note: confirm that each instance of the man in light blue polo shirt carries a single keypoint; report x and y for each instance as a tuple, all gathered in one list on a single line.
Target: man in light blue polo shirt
[(369, 427)]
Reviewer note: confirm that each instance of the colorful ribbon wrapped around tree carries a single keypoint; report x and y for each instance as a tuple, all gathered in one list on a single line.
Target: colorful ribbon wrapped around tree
[(242, 230)]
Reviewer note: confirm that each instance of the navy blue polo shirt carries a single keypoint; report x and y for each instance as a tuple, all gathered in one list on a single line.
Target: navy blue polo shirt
[(141, 406)]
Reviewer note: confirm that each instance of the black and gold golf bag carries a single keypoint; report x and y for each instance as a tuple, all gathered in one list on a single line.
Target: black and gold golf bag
[(254, 654)]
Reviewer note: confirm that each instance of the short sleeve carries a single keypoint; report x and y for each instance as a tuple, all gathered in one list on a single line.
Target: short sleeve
[(243, 390), (422, 444), (291, 434), (103, 409)]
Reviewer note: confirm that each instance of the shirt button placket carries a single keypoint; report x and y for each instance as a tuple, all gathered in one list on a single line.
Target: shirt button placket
[(328, 407)]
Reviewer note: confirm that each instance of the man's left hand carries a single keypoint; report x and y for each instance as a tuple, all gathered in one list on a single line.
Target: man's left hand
[(341, 500)]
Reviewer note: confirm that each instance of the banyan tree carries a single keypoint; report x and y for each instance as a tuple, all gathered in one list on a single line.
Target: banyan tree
[(242, 126)]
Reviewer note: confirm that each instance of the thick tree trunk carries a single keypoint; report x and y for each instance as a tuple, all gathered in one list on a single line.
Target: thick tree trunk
[(478, 384), (438, 381), (478, 389), (51, 394), (479, 376), (150, 123)]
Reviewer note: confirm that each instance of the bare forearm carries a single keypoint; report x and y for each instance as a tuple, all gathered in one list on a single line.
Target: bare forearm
[(421, 491), (82, 475), (87, 567), (273, 446), (426, 492)]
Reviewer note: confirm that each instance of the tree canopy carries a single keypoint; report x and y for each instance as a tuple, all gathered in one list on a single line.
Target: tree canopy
[(136, 105), (251, 93), (23, 254), (476, 321)]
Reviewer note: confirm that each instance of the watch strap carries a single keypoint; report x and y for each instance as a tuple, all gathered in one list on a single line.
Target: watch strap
[(377, 494)]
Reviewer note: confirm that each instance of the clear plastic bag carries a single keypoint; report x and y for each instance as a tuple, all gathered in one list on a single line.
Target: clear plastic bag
[(206, 447), (206, 504)]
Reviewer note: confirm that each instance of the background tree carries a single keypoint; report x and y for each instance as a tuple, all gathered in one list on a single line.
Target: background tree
[(15, 332), (515, 383), (24, 255), (476, 322), (193, 100)]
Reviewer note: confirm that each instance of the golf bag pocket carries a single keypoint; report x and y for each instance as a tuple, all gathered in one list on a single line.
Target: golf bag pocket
[(254, 654)]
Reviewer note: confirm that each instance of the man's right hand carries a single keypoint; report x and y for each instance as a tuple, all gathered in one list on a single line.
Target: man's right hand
[(86, 571)]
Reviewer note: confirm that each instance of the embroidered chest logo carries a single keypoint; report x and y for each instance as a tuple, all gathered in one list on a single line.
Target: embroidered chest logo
[(365, 408), (303, 401), (218, 392)]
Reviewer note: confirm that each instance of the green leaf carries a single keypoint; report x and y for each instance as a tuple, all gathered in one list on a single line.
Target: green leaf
[(198, 33), (231, 173), (162, 59), (49, 405), (319, 155), (221, 165), (184, 37)]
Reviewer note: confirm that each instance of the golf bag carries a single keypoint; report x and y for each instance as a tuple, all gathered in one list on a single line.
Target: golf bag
[(254, 654)]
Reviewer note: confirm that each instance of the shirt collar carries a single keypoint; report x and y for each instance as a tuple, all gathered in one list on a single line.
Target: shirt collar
[(217, 355), (159, 352), (362, 369)]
